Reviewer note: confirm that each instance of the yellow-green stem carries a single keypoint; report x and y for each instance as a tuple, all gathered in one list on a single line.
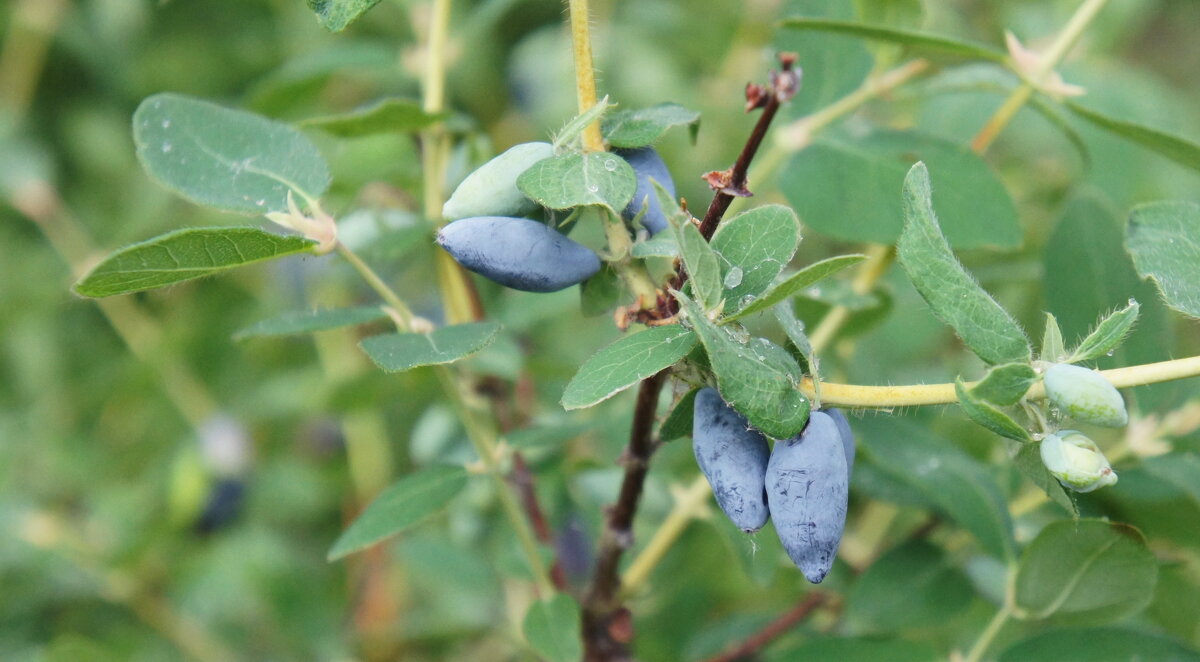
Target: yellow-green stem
[(1050, 60), (688, 505), (480, 434), (585, 73), (33, 24), (381, 288), (886, 397), (633, 274), (879, 258), (989, 634), (484, 440)]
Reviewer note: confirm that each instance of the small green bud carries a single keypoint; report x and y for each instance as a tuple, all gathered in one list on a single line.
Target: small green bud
[(492, 189), (1076, 461), (1085, 395)]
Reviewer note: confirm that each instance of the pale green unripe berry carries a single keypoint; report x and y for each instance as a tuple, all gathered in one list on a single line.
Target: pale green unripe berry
[(1085, 395), (492, 189), (1076, 461)]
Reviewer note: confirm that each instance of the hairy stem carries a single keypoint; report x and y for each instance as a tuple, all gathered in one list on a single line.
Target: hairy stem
[(381, 288), (1050, 59), (585, 73), (885, 397)]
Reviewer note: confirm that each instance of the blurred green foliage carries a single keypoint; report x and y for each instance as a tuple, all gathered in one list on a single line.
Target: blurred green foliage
[(103, 477)]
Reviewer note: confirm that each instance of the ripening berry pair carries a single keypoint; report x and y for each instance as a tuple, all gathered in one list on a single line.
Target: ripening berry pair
[(488, 236), (803, 484)]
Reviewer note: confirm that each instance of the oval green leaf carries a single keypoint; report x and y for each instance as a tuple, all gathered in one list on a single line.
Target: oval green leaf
[(575, 180), (644, 126), (845, 188), (228, 159), (183, 255), (801, 280), (1089, 571), (953, 295), (552, 628), (386, 116), (310, 321), (911, 586), (335, 15), (912, 38), (626, 362), (401, 506), (1164, 240), (397, 352), (754, 247), (1098, 645)]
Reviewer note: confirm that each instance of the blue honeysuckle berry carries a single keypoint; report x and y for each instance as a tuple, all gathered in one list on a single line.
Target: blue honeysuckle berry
[(733, 457), (808, 490), (647, 164), (491, 190), (1085, 395), (519, 253), (1076, 461)]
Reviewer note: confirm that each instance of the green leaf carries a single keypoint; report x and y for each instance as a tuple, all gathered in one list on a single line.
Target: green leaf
[(661, 245), (1086, 571), (944, 477), (1108, 334), (1005, 384), (756, 377), (600, 293), (844, 187), (793, 328), (1179, 150), (1053, 349), (573, 180), (397, 352), (335, 15), (1098, 645), (386, 116), (806, 277), (951, 292), (988, 416), (644, 126), (703, 269), (754, 247), (1164, 240), (552, 628), (679, 422), (309, 321), (580, 123), (183, 255), (1028, 461), (911, 586), (228, 159), (401, 506), (911, 38), (626, 362)]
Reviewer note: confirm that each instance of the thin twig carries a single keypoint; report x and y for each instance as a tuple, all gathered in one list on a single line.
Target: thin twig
[(522, 480), (755, 642), (603, 627), (731, 184)]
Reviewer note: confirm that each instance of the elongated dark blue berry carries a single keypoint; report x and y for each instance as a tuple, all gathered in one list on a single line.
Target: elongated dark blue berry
[(517, 252), (843, 426), (808, 491), (648, 165), (733, 458)]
